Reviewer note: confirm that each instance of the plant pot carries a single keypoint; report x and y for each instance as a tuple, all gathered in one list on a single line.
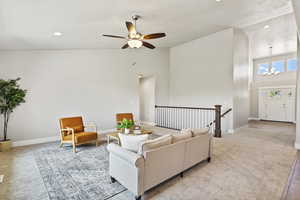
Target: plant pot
[(5, 146), (127, 131)]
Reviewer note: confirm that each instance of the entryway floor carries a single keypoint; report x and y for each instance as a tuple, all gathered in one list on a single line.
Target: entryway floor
[(292, 189)]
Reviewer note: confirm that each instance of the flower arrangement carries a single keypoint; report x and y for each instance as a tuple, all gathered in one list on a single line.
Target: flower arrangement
[(126, 124), (274, 93)]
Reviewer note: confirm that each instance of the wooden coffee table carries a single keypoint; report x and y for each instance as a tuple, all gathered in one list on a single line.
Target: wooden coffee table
[(115, 135)]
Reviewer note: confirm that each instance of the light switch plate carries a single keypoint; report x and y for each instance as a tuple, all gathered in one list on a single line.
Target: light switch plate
[(1, 178)]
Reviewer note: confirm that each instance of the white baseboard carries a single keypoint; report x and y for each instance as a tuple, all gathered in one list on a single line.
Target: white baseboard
[(20, 143), (232, 131), (297, 145), (253, 118), (1, 178), (101, 132), (148, 123), (35, 141)]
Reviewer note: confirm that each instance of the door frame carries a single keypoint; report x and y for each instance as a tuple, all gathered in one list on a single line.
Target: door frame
[(274, 87)]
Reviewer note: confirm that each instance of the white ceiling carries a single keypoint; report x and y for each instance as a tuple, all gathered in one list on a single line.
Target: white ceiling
[(296, 4), (281, 35), (29, 24)]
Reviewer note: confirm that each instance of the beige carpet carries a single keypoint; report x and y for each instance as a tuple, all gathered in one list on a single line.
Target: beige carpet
[(251, 164)]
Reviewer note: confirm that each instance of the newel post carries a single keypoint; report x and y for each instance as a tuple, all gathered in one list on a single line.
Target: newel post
[(218, 132)]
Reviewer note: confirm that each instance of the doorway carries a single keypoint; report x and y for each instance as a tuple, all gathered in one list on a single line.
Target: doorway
[(147, 99)]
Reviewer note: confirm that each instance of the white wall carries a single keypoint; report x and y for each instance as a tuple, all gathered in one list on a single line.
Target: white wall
[(99, 83), (147, 99), (93, 83), (297, 141), (283, 79), (241, 102), (201, 72)]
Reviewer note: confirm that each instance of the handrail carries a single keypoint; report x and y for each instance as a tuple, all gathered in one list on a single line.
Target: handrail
[(183, 107), (225, 113), (222, 116)]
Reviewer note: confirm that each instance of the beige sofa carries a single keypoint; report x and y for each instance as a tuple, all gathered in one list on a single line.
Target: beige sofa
[(138, 173)]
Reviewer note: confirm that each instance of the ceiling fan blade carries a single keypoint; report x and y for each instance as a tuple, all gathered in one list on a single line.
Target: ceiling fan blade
[(125, 46), (114, 36), (148, 45), (130, 27), (154, 36)]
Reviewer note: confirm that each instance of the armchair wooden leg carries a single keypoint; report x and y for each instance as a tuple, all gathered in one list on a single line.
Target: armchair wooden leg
[(138, 197), (97, 143), (74, 148), (112, 179)]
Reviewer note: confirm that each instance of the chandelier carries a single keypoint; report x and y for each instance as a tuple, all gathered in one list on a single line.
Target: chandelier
[(271, 71)]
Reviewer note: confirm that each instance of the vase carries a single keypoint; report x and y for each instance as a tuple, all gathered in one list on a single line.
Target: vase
[(127, 131), (5, 145)]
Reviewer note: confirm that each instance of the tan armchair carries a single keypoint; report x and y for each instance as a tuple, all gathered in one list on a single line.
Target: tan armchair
[(121, 116), (72, 131)]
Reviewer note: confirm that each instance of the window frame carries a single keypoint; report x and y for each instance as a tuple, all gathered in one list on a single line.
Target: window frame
[(270, 60), (258, 65), (297, 64), (279, 60)]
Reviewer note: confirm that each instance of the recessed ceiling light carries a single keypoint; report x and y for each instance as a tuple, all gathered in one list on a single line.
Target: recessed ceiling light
[(266, 26), (218, 0), (57, 34)]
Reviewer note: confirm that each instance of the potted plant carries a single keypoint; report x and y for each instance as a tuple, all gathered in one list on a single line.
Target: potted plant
[(126, 124), (11, 96)]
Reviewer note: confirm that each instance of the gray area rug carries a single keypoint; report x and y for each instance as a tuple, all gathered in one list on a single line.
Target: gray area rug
[(80, 176)]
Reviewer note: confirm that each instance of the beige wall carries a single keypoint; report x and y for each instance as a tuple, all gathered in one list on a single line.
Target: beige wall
[(297, 141), (201, 73), (241, 102), (99, 83), (213, 70), (296, 4), (147, 99), (93, 83)]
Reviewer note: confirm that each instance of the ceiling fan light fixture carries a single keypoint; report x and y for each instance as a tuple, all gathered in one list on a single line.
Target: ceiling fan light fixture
[(136, 39), (134, 43)]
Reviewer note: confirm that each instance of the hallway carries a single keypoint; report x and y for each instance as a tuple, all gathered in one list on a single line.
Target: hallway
[(286, 134)]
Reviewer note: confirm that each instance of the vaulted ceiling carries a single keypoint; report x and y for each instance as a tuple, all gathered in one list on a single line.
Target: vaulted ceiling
[(30, 24), (279, 32)]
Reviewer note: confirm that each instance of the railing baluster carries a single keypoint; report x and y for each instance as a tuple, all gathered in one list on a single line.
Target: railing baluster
[(175, 117)]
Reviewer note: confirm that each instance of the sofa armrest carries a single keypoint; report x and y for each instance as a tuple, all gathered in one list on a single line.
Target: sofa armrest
[(131, 157)]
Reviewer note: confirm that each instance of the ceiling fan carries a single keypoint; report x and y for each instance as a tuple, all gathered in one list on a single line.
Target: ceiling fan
[(136, 39)]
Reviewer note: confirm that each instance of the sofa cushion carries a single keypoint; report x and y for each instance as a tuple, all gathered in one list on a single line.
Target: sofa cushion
[(199, 131), (155, 143), (183, 135), (132, 142)]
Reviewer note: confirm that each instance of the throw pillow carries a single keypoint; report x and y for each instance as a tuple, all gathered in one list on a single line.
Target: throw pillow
[(132, 142), (155, 143), (200, 131), (183, 135)]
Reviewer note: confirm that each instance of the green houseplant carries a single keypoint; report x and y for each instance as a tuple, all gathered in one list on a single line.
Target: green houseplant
[(11, 96), (126, 124)]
